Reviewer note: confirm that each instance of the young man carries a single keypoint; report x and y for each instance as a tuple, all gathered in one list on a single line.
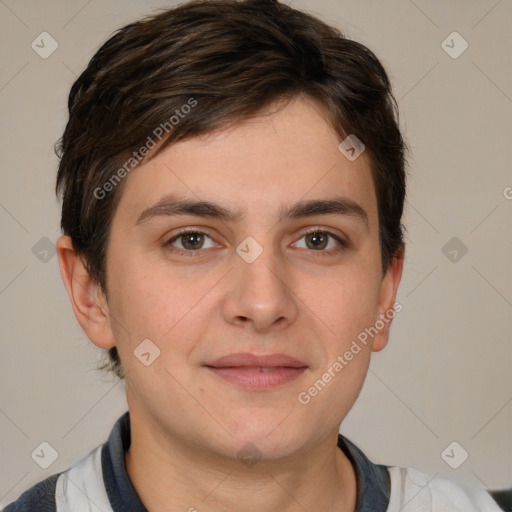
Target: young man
[(232, 176)]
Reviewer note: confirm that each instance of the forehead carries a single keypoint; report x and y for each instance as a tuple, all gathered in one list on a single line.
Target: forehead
[(258, 166)]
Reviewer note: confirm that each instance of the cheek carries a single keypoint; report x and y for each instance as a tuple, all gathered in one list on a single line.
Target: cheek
[(157, 305), (346, 303), (346, 307), (142, 297), (348, 312)]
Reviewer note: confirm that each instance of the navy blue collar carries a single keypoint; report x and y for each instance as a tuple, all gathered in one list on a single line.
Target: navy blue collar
[(373, 481), (120, 490)]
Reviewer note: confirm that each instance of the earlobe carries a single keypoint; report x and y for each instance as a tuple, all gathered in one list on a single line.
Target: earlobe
[(88, 302), (386, 310)]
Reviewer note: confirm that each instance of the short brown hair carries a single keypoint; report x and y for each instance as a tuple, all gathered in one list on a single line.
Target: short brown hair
[(232, 58)]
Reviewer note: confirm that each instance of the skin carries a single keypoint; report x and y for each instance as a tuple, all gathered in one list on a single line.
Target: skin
[(188, 424)]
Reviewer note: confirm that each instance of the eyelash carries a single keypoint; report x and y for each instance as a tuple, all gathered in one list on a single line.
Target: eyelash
[(342, 244)]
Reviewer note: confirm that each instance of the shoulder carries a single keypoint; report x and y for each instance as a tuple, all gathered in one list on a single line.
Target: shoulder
[(78, 487), (414, 490), (82, 484), (39, 497)]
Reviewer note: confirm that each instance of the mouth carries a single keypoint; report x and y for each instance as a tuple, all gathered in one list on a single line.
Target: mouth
[(250, 371)]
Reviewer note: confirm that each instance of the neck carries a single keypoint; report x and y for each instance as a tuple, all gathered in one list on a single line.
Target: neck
[(171, 474)]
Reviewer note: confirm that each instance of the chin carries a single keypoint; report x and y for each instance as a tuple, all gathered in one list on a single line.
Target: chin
[(272, 437)]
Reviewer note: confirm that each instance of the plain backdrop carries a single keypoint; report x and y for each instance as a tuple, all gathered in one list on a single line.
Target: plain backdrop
[(446, 374)]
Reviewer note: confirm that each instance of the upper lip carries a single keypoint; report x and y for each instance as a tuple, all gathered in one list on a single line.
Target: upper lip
[(246, 359)]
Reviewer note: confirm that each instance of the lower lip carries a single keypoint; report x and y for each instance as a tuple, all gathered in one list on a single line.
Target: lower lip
[(255, 378)]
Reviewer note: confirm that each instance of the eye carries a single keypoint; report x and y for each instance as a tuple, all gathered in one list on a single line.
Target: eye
[(320, 240), (189, 241)]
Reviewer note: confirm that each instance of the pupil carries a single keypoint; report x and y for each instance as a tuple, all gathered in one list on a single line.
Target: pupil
[(192, 239), (318, 240)]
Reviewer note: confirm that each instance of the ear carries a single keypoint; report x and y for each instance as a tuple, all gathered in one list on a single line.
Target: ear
[(88, 301), (385, 309)]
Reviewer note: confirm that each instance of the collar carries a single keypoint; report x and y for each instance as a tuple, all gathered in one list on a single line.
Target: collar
[(373, 481)]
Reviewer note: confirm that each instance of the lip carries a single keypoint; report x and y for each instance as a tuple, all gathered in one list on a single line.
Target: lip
[(246, 370), (247, 359)]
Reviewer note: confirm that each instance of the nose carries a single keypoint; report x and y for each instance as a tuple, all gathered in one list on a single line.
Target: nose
[(260, 293)]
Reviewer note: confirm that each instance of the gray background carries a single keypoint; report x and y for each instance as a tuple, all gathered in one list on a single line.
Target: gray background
[(446, 374)]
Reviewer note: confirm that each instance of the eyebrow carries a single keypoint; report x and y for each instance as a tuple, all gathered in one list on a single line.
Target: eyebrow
[(173, 206)]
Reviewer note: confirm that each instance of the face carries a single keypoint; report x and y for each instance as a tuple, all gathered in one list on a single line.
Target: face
[(255, 273)]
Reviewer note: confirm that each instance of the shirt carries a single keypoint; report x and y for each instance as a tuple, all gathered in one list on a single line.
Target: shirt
[(100, 483)]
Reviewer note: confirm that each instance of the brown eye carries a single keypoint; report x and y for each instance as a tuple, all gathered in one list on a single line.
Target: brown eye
[(190, 242), (317, 240), (323, 242)]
